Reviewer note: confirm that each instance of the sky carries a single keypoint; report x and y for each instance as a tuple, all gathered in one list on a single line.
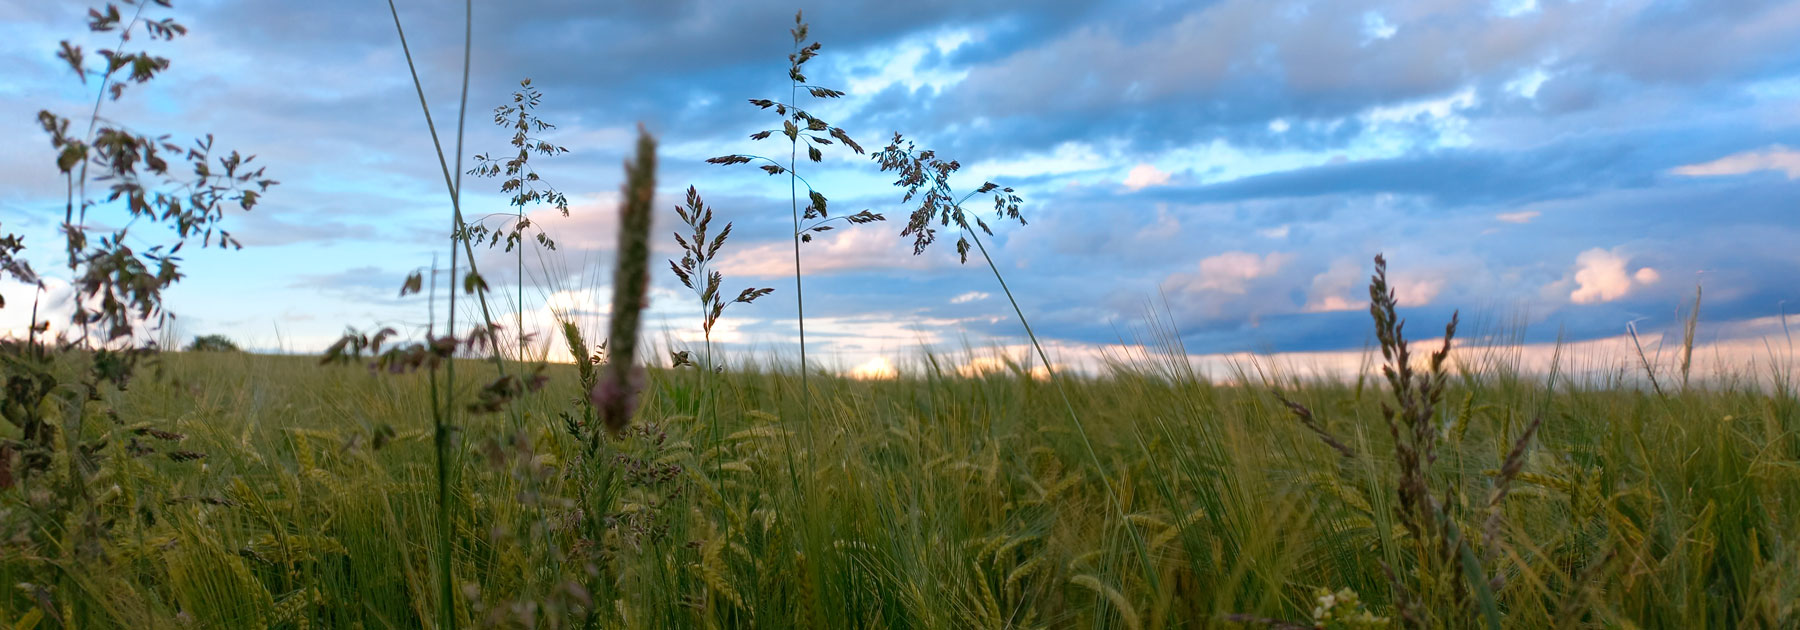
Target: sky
[(1554, 169)]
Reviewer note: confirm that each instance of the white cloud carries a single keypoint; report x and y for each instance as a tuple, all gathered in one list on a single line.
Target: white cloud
[(1600, 276), (1166, 225), (1442, 108), (1065, 158), (55, 304), (1514, 8), (1446, 117), (1518, 217), (1774, 158), (1528, 82), (905, 64), (1279, 232), (1145, 175), (972, 296), (1376, 27), (1416, 291)]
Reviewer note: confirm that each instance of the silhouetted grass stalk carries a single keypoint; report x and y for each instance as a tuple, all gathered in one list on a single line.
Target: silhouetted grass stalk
[(798, 134), (695, 271)]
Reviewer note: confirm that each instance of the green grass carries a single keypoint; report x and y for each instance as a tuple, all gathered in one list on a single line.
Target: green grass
[(946, 502)]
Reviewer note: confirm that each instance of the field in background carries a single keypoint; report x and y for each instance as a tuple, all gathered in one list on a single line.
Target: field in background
[(936, 501)]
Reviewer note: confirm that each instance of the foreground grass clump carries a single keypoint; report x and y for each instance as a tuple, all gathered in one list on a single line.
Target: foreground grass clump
[(954, 502)]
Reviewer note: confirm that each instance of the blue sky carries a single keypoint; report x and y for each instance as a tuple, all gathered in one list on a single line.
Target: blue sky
[(1572, 165)]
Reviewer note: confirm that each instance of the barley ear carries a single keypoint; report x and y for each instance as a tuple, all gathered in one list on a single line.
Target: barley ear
[(616, 394)]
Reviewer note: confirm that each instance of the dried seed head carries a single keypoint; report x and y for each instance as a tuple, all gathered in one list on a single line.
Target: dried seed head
[(616, 394)]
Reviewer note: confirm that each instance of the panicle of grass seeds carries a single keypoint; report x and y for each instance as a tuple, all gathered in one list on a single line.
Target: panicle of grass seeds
[(1306, 418), (616, 394), (1411, 423), (695, 271), (926, 176)]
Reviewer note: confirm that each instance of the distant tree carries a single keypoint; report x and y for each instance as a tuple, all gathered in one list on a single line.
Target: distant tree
[(213, 343)]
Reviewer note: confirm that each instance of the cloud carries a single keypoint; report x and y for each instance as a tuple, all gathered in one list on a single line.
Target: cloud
[(1232, 272), (1343, 287), (972, 296), (1600, 276), (1518, 217), (982, 366), (1773, 158), (1336, 288), (1348, 128), (857, 248), (1451, 175), (365, 282), (54, 303), (1138, 75), (1144, 175)]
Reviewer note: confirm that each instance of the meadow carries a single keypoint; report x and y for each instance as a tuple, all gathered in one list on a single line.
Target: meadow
[(928, 501), (451, 479)]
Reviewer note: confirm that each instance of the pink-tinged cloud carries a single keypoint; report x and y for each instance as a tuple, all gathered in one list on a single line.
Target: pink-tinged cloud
[(1231, 272), (1343, 287), (1144, 176), (1773, 158), (849, 249)]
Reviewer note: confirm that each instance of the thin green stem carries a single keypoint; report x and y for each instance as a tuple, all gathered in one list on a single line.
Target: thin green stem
[(800, 303), (453, 186), (437, 415), (441, 428), (799, 296)]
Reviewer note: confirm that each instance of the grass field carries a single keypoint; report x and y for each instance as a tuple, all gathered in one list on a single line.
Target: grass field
[(928, 501)]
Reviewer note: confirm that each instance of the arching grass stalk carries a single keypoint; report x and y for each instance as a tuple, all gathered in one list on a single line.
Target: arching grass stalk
[(1056, 380), (927, 177)]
